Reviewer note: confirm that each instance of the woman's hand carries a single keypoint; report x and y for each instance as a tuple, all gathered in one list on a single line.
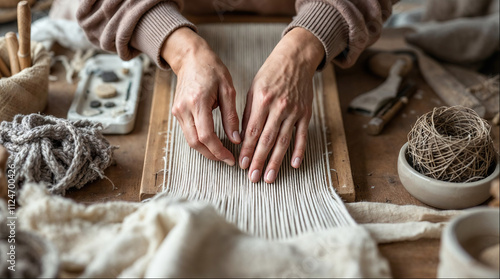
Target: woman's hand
[(203, 84), (280, 99)]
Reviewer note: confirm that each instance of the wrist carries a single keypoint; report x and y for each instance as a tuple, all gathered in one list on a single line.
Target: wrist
[(182, 44), (301, 46)]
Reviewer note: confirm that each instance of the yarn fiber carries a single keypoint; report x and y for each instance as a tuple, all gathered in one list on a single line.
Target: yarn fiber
[(57, 152), (452, 144)]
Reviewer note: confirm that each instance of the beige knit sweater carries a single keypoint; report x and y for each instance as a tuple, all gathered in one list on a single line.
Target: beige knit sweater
[(128, 27)]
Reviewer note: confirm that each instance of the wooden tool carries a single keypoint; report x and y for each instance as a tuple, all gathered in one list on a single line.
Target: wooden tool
[(24, 26), (4, 70), (371, 102), (377, 124), (12, 48), (381, 63)]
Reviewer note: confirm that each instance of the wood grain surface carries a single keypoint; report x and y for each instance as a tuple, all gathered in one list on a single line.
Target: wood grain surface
[(339, 159), (152, 175)]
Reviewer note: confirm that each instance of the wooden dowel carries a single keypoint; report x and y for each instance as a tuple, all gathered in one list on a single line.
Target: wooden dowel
[(13, 47), (24, 26), (4, 69)]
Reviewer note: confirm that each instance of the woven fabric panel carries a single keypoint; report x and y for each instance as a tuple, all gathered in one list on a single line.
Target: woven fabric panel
[(302, 200)]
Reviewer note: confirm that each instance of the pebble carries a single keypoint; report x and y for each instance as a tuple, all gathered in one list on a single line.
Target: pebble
[(109, 104), (95, 104), (105, 91), (109, 76)]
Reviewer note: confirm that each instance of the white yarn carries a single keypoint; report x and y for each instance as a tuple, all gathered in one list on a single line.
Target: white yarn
[(300, 200)]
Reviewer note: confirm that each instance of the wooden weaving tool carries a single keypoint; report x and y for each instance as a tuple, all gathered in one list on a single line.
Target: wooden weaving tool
[(168, 166), (4, 70), (24, 25), (12, 47)]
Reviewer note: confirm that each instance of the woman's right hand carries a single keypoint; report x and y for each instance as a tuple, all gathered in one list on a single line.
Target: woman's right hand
[(203, 84)]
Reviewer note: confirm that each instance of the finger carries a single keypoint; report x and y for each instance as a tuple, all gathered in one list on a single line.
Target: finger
[(191, 136), (230, 121), (265, 145), (205, 127), (246, 114), (279, 151), (300, 142), (256, 122)]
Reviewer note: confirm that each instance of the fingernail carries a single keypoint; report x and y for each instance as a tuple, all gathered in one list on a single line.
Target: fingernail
[(296, 162), (229, 162), (245, 162), (271, 176), (255, 176), (236, 136)]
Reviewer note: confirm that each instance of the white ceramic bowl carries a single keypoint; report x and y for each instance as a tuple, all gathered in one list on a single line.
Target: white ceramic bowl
[(467, 235), (442, 194)]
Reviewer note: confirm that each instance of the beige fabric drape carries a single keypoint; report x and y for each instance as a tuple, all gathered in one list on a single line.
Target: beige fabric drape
[(168, 237)]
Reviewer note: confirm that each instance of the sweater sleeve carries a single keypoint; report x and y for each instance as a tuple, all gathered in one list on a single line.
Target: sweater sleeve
[(131, 27), (344, 27)]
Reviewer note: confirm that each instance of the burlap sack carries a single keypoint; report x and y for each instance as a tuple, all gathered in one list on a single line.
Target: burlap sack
[(25, 92)]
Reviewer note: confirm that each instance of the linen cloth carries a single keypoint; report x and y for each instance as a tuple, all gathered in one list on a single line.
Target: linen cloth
[(168, 237)]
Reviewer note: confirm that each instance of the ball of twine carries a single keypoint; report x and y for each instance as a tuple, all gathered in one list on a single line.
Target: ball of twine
[(57, 152), (452, 144)]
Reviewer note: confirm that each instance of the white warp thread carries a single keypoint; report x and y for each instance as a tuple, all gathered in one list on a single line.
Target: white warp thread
[(300, 201)]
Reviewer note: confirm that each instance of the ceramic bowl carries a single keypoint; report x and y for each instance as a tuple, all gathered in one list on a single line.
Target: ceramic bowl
[(464, 239), (442, 194)]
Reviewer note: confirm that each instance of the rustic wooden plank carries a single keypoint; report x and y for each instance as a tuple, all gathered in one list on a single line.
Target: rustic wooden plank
[(152, 173), (339, 157)]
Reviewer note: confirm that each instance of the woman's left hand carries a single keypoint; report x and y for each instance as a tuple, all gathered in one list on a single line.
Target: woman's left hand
[(280, 99)]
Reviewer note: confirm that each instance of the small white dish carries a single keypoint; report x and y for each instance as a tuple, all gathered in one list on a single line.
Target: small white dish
[(442, 194), (463, 240)]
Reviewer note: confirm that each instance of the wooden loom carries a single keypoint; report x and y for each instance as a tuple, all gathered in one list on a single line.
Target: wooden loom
[(152, 177)]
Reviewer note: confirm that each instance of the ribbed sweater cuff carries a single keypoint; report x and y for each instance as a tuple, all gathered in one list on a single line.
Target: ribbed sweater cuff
[(326, 23), (155, 26)]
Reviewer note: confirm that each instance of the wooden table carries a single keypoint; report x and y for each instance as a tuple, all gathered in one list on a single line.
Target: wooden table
[(373, 159)]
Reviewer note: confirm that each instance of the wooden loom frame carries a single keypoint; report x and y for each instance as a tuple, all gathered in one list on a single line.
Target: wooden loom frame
[(152, 175)]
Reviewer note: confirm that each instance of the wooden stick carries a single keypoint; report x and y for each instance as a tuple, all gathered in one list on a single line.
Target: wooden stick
[(4, 70), (24, 26), (13, 47)]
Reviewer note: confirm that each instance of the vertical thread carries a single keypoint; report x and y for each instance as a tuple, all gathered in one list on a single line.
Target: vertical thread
[(300, 200)]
